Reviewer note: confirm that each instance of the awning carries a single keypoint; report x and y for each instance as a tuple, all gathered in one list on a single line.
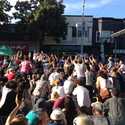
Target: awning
[(6, 51), (119, 33)]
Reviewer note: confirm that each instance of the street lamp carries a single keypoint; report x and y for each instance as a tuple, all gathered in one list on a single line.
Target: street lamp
[(83, 26), (79, 29), (101, 40)]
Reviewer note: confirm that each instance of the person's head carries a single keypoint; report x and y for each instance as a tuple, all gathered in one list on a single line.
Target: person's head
[(114, 72), (39, 112), (120, 62), (11, 84), (41, 105), (69, 105), (3, 80), (56, 82), (103, 73), (1, 72), (97, 108), (110, 59), (11, 70), (88, 67), (80, 60), (115, 92), (25, 57), (34, 76), (84, 110), (82, 120), (19, 120), (58, 116), (23, 85), (80, 81)]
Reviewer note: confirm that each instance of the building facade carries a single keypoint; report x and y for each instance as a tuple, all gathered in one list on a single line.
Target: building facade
[(79, 34), (92, 35), (16, 40), (103, 28)]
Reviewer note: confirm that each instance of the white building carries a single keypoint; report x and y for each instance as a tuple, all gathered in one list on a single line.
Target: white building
[(82, 33), (79, 32)]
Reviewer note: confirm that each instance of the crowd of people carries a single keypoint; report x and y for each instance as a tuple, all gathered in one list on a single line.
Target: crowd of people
[(50, 89)]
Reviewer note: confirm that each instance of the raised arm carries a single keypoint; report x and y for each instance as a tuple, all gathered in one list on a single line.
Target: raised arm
[(14, 112)]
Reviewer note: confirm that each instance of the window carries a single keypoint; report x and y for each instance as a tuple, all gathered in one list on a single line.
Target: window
[(74, 31), (97, 36), (86, 33), (106, 34), (79, 33)]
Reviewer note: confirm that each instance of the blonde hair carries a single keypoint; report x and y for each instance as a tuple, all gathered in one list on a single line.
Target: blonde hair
[(19, 120), (54, 95), (82, 120)]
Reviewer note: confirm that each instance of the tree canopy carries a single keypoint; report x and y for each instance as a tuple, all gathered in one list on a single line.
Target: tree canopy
[(39, 18), (45, 17), (5, 7), (49, 17)]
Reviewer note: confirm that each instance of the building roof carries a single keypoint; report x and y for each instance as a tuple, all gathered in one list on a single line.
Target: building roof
[(78, 15), (119, 33)]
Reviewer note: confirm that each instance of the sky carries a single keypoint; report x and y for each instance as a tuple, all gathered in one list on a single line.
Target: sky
[(96, 8)]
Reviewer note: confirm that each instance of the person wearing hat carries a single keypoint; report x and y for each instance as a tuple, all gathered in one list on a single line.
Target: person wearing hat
[(55, 75), (98, 115), (57, 117), (38, 115)]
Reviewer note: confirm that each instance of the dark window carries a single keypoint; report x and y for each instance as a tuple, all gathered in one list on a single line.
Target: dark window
[(79, 33), (97, 36), (74, 31), (86, 33)]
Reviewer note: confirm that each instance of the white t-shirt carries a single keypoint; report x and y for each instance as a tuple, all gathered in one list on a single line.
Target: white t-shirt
[(68, 86), (59, 90), (82, 95), (80, 70), (101, 82)]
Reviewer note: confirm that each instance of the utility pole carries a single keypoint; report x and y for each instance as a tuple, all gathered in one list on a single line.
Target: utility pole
[(83, 28)]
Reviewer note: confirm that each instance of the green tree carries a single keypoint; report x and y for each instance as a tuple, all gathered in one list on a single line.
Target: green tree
[(23, 15), (24, 11), (49, 18), (42, 18), (5, 7)]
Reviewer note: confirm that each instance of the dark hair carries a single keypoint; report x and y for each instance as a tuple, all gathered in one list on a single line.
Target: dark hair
[(88, 67), (70, 108), (115, 92), (82, 81), (85, 110), (24, 85), (21, 87), (1, 72), (80, 60), (3, 80), (103, 74), (11, 84)]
